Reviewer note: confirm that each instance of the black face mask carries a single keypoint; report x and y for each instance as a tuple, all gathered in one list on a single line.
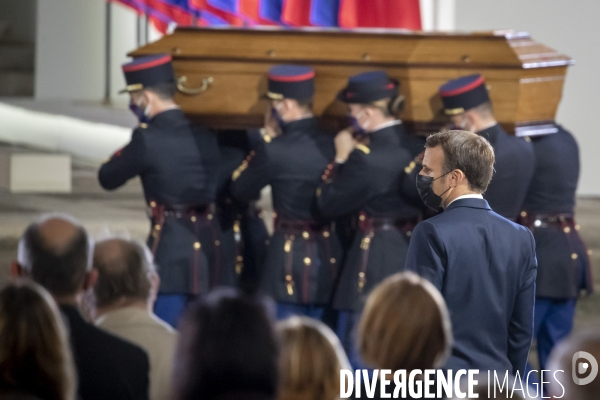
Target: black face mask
[(424, 187)]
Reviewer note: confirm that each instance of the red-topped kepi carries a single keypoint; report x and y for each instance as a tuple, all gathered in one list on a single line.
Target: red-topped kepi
[(291, 82), (464, 93), (144, 72)]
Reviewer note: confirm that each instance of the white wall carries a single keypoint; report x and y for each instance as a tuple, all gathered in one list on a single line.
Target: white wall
[(571, 27), (70, 50)]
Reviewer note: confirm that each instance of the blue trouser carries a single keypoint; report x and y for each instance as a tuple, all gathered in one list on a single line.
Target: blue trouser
[(552, 322), (346, 331), (170, 307), (286, 310)]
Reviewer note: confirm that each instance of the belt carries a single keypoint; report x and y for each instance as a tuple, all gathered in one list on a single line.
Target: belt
[(309, 230), (370, 225), (199, 215), (539, 221)]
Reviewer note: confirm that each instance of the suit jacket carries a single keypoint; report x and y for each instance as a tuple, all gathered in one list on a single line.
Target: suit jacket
[(552, 191), (378, 180), (513, 170), (178, 165), (107, 367), (293, 164), (157, 338), (485, 267)]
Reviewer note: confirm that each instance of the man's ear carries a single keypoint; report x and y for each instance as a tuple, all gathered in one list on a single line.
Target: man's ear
[(154, 285), (90, 279), (17, 271)]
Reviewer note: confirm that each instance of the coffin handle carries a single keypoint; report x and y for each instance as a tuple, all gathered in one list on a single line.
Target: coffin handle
[(206, 82)]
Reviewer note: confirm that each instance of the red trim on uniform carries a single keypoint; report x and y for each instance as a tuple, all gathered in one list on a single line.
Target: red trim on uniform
[(146, 65), (296, 78), (461, 90)]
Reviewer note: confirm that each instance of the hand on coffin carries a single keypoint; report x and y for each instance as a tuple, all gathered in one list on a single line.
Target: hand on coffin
[(344, 144)]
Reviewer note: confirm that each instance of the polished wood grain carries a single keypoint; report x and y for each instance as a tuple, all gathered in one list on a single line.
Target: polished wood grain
[(525, 78)]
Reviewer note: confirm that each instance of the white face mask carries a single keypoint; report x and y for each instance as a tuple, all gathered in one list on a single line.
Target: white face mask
[(365, 125), (146, 109)]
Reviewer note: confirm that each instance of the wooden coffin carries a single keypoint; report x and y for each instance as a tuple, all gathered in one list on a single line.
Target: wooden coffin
[(223, 71)]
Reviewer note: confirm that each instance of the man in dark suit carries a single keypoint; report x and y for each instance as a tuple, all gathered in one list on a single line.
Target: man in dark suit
[(563, 262), (56, 252), (302, 258), (467, 102), (178, 166), (483, 264)]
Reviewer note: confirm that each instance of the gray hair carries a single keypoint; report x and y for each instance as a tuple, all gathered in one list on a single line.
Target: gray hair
[(123, 271), (468, 152)]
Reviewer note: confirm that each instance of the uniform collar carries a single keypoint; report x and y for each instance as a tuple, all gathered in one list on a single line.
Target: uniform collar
[(387, 124), (386, 135), (300, 124), (167, 117), (491, 133)]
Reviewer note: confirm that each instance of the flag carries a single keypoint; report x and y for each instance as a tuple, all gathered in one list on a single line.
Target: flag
[(177, 10), (270, 10), (324, 12), (204, 5), (158, 19), (296, 12), (250, 9), (380, 13), (207, 18)]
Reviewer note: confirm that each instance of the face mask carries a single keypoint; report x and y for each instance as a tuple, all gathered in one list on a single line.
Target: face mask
[(425, 189), (275, 113), (142, 115)]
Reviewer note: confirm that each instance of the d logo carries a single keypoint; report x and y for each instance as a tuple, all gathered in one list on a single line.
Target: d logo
[(582, 367)]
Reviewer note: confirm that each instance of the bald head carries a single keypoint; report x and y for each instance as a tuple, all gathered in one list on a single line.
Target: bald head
[(564, 358), (55, 252), (124, 272)]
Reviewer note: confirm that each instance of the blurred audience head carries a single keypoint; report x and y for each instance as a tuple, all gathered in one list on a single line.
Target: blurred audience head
[(126, 275), (35, 358), (310, 360), (227, 349), (564, 358), (405, 325), (56, 252)]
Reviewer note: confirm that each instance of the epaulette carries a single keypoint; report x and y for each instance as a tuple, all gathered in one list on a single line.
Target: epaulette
[(418, 160), (236, 174), (363, 148)]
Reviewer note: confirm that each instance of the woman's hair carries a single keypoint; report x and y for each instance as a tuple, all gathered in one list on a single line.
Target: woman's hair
[(227, 346), (390, 106), (35, 357), (310, 360), (405, 325)]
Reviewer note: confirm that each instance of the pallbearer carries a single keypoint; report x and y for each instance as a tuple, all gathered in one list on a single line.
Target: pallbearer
[(301, 263), (373, 175), (467, 103), (563, 262), (178, 167)]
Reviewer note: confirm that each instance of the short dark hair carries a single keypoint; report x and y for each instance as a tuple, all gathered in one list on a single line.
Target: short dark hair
[(484, 109), (123, 272), (165, 90), (61, 271), (227, 346), (305, 103), (468, 152)]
